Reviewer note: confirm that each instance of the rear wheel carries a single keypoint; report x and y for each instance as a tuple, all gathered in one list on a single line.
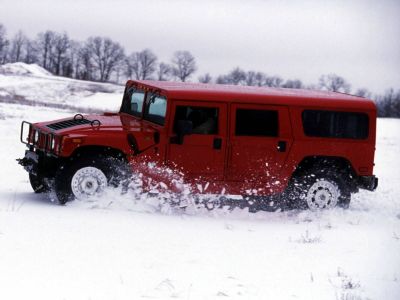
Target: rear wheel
[(318, 190), (87, 177)]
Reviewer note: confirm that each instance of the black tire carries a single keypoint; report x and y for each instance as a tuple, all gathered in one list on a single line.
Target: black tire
[(115, 170), (38, 185), (297, 194)]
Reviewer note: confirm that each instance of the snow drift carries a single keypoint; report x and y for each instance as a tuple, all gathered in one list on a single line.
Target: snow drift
[(20, 68), (32, 85)]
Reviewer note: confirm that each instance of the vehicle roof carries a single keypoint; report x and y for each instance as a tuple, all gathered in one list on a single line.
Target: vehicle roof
[(256, 95)]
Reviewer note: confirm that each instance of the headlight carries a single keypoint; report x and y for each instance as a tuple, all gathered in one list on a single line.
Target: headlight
[(52, 143), (36, 137)]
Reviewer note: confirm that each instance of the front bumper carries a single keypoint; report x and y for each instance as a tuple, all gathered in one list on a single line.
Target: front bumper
[(30, 162), (369, 183), (39, 163)]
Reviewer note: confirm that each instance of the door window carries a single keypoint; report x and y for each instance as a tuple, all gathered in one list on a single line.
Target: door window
[(254, 122), (204, 119), (156, 109)]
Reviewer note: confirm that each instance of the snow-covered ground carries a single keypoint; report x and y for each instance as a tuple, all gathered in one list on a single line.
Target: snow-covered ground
[(33, 85), (117, 248)]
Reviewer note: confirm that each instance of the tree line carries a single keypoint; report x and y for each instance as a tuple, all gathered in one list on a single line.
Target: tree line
[(102, 59)]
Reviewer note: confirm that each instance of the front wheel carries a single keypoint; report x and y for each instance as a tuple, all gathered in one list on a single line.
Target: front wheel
[(87, 177), (37, 183)]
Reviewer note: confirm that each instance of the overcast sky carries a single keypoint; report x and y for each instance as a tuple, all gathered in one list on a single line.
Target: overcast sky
[(359, 40)]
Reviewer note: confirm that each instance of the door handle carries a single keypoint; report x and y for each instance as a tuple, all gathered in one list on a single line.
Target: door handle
[(217, 143), (281, 147)]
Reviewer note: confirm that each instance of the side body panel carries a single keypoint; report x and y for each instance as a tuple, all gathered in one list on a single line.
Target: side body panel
[(255, 162), (200, 156), (359, 153)]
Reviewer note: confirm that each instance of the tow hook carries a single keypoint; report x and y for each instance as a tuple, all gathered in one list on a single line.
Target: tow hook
[(27, 164), (23, 161)]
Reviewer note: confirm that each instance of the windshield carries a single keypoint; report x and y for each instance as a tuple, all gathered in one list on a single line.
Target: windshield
[(133, 102), (151, 106)]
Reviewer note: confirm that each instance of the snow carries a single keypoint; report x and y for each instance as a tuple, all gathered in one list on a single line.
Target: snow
[(20, 68), (32, 85), (120, 248)]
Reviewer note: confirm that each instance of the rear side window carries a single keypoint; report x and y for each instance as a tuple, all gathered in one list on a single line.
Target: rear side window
[(335, 124), (252, 122)]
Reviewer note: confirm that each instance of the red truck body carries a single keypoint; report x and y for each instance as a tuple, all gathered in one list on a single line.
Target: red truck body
[(229, 159)]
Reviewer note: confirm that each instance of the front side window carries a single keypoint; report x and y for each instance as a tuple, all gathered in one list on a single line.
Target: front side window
[(255, 122), (156, 108), (335, 124), (204, 119), (133, 102)]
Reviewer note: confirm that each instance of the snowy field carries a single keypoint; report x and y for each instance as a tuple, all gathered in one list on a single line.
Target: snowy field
[(117, 248), (33, 85)]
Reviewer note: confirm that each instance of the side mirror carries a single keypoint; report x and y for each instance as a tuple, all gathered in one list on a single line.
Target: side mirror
[(183, 127)]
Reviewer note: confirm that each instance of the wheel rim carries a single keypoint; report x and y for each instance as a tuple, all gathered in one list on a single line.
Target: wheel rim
[(87, 182), (322, 194)]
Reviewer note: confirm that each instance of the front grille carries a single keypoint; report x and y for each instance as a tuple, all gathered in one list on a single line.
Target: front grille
[(68, 123)]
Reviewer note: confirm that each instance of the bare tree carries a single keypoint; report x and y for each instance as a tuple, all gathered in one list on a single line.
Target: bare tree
[(164, 71), (3, 45), (184, 65), (255, 78), (206, 78), (84, 67), (31, 51), (61, 44), (45, 42), (141, 65), (223, 79), (250, 78), (273, 81), (260, 79), (106, 55), (17, 44), (293, 84), (363, 92), (389, 104), (236, 76), (120, 71), (334, 83), (74, 58)]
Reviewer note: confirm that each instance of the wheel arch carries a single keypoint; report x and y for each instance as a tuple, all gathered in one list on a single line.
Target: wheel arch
[(93, 150), (337, 163)]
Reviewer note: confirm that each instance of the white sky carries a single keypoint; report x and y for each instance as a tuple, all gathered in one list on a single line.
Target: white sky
[(359, 40)]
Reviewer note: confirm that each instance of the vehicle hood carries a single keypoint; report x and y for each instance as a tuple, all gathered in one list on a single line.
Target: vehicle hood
[(94, 123)]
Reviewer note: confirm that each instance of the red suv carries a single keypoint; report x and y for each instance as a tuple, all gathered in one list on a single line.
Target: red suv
[(301, 147)]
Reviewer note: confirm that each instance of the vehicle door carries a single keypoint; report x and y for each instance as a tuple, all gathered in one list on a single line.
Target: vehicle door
[(200, 152), (260, 139)]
